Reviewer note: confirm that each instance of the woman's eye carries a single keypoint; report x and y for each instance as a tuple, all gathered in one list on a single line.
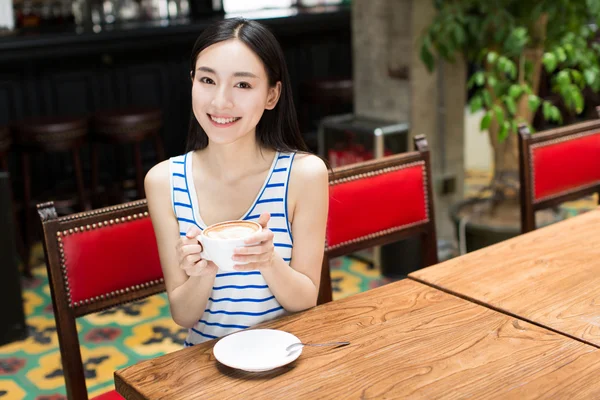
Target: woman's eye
[(243, 85), (209, 81)]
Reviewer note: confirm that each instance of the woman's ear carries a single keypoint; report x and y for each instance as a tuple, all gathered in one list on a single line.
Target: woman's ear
[(192, 76), (273, 96)]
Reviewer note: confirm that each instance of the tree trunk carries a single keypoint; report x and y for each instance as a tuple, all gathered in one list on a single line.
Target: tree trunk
[(505, 179)]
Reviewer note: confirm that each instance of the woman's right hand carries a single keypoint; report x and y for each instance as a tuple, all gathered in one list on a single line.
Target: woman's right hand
[(190, 260)]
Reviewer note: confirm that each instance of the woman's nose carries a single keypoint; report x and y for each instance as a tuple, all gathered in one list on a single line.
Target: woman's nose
[(222, 99)]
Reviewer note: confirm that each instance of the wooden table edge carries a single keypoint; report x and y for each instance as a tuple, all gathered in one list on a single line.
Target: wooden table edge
[(130, 393), (501, 310)]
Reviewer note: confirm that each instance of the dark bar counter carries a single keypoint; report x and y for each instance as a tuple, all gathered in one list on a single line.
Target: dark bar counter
[(77, 71), (73, 71), (55, 42)]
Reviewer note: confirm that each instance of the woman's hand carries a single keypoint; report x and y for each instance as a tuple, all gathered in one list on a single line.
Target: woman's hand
[(260, 252), (188, 253)]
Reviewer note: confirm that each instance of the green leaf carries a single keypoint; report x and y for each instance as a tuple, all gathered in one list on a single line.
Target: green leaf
[(511, 106), (492, 82), (560, 54), (504, 131), (555, 114), (568, 49), (578, 99), (515, 91), (590, 76), (427, 58), (487, 98), (459, 34), (476, 103), (499, 114), (533, 102), (492, 57), (485, 121), (547, 110), (479, 78), (578, 78), (549, 61), (563, 78)]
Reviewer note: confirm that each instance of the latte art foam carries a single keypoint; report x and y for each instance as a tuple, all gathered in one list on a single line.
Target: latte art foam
[(234, 230)]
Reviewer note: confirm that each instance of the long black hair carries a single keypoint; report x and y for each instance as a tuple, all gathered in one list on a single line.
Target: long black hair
[(278, 128)]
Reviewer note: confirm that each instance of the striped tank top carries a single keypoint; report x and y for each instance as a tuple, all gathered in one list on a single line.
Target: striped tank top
[(238, 299)]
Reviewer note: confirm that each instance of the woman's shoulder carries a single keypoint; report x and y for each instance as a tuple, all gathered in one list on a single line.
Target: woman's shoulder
[(308, 169), (158, 176)]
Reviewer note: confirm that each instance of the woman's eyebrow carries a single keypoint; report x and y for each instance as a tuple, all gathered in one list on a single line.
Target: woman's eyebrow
[(240, 74)]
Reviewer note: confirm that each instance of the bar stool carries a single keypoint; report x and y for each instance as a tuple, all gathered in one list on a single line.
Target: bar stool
[(328, 96), (49, 135), (127, 126)]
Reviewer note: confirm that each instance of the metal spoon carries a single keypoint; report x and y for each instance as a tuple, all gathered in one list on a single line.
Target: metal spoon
[(296, 345)]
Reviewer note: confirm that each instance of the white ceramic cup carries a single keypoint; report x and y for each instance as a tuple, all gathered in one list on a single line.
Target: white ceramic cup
[(219, 249)]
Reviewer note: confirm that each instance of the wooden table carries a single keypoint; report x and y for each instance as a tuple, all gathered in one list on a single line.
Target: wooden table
[(550, 277), (408, 340)]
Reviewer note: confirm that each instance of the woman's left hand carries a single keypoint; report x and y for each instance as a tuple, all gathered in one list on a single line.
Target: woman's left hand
[(260, 254)]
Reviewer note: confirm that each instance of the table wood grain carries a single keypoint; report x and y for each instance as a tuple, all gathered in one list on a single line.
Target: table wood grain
[(550, 277), (408, 340)]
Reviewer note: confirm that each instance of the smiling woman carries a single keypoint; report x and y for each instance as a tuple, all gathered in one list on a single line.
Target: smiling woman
[(245, 160)]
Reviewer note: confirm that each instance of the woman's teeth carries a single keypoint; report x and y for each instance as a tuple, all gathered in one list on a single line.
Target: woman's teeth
[(224, 120)]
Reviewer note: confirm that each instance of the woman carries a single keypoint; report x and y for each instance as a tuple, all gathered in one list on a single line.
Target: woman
[(246, 160)]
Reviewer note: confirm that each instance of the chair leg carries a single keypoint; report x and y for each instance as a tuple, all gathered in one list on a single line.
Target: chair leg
[(139, 170), (83, 203), (27, 227), (19, 238), (325, 288)]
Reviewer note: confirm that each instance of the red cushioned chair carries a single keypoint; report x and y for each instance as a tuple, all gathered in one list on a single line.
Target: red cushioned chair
[(557, 165), (379, 202), (96, 260)]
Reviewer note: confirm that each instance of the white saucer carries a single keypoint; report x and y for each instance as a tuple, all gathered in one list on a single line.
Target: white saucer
[(256, 350)]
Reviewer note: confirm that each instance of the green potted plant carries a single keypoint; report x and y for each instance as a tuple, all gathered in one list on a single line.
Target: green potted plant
[(512, 46)]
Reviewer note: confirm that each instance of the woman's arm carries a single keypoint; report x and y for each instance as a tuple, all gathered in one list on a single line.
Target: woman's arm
[(297, 288), (188, 295)]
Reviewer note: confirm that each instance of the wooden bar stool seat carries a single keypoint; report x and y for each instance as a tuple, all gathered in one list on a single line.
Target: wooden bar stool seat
[(127, 126), (35, 136)]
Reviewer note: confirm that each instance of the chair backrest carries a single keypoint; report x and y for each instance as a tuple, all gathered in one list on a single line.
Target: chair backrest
[(379, 202), (557, 165), (96, 260)]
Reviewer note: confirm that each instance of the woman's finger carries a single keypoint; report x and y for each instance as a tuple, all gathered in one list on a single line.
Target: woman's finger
[(191, 249), (259, 237), (246, 267), (192, 259), (258, 249)]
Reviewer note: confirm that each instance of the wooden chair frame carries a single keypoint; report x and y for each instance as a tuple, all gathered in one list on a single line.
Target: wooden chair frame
[(66, 312), (426, 229), (527, 142)]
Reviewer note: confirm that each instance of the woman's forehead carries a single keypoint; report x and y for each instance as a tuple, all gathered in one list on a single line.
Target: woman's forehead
[(230, 57)]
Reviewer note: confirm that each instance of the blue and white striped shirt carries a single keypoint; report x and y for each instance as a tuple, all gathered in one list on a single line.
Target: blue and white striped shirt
[(238, 299)]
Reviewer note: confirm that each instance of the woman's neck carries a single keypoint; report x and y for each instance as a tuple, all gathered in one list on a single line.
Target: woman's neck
[(233, 161)]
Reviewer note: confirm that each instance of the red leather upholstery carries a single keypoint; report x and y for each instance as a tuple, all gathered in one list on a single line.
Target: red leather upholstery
[(369, 205), (559, 167), (109, 258), (112, 395)]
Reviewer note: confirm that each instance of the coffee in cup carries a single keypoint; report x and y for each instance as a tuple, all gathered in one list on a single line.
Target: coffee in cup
[(232, 230), (219, 240)]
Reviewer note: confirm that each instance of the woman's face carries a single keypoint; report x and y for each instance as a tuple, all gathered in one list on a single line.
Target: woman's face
[(230, 91)]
